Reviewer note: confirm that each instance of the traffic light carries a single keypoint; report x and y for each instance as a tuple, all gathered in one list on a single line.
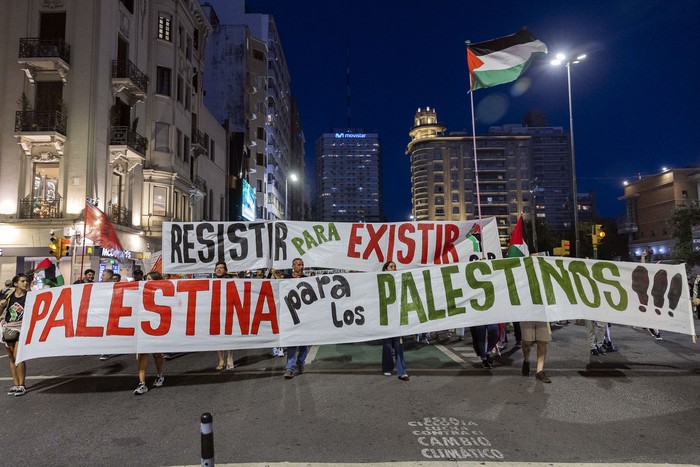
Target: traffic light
[(54, 247), (64, 247), (598, 234), (566, 247)]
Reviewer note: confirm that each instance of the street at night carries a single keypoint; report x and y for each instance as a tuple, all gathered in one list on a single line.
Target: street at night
[(637, 405)]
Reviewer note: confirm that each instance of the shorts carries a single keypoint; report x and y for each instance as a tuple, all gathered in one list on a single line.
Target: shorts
[(535, 331)]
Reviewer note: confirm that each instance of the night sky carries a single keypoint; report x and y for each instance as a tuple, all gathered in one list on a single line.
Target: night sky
[(636, 98)]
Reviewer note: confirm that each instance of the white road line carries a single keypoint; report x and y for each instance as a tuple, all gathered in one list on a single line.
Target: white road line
[(453, 356)]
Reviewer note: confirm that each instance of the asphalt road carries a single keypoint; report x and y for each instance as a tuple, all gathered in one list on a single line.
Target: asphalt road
[(639, 405)]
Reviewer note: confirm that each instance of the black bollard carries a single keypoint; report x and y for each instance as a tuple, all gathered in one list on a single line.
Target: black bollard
[(207, 430)]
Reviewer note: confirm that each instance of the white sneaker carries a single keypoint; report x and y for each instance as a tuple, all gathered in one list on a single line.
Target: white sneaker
[(275, 352), (20, 391), (140, 389), (12, 390), (280, 352), (159, 381)]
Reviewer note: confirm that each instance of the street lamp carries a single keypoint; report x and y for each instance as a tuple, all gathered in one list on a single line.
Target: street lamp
[(561, 58), (294, 178)]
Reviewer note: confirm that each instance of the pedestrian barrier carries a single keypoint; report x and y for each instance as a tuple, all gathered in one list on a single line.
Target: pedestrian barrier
[(207, 431)]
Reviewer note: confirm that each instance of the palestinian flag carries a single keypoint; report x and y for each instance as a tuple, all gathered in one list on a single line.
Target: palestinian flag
[(502, 60), (517, 246), (474, 236), (51, 274)]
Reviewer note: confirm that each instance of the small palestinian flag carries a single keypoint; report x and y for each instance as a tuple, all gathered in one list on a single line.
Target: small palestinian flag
[(51, 274), (502, 60), (474, 236), (517, 246)]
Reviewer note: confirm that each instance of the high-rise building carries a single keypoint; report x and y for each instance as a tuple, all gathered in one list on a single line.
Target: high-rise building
[(444, 174), (349, 177), (550, 161), (105, 101), (236, 93), (277, 156), (649, 204)]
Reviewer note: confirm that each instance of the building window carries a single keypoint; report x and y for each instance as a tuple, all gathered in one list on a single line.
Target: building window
[(129, 5), (211, 149), (176, 205), (162, 137), (160, 196), (45, 189), (187, 148), (163, 81), (179, 143), (195, 39), (165, 26), (180, 88), (258, 55)]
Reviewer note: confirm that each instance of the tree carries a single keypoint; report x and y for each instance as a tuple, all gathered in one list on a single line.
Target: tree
[(682, 220)]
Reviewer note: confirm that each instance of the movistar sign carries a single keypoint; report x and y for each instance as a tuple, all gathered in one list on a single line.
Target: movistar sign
[(350, 135)]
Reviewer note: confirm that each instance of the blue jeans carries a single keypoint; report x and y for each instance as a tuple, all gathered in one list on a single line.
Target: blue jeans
[(296, 356), (485, 338), (395, 343)]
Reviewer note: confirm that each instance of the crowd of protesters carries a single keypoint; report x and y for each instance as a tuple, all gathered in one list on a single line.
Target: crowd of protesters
[(487, 340)]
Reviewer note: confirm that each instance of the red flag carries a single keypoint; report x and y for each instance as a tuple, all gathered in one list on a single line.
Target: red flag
[(99, 229)]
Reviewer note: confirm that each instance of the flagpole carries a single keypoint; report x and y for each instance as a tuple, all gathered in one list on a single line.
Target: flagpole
[(476, 164), (82, 260)]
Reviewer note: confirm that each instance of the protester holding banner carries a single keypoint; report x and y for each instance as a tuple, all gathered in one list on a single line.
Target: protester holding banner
[(143, 358), (392, 347), (12, 306), (485, 338), (296, 355), (220, 272), (88, 277), (540, 332)]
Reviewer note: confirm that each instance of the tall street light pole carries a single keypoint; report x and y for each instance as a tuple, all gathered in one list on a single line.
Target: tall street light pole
[(561, 58), (294, 178)]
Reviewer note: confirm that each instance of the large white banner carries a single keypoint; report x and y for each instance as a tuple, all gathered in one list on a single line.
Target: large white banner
[(196, 247), (212, 314)]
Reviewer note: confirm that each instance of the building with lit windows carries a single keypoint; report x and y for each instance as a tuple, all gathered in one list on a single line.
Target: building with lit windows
[(274, 159), (236, 92), (443, 174), (551, 183), (649, 204), (103, 100), (349, 177)]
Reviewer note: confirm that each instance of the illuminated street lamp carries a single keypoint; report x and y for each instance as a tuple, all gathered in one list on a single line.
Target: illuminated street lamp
[(561, 58), (294, 178)]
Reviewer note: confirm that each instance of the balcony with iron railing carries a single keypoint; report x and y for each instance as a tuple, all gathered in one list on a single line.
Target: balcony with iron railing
[(35, 47), (128, 80), (44, 56), (200, 184), (200, 141), (39, 207), (40, 121), (125, 136), (119, 215), (40, 128)]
